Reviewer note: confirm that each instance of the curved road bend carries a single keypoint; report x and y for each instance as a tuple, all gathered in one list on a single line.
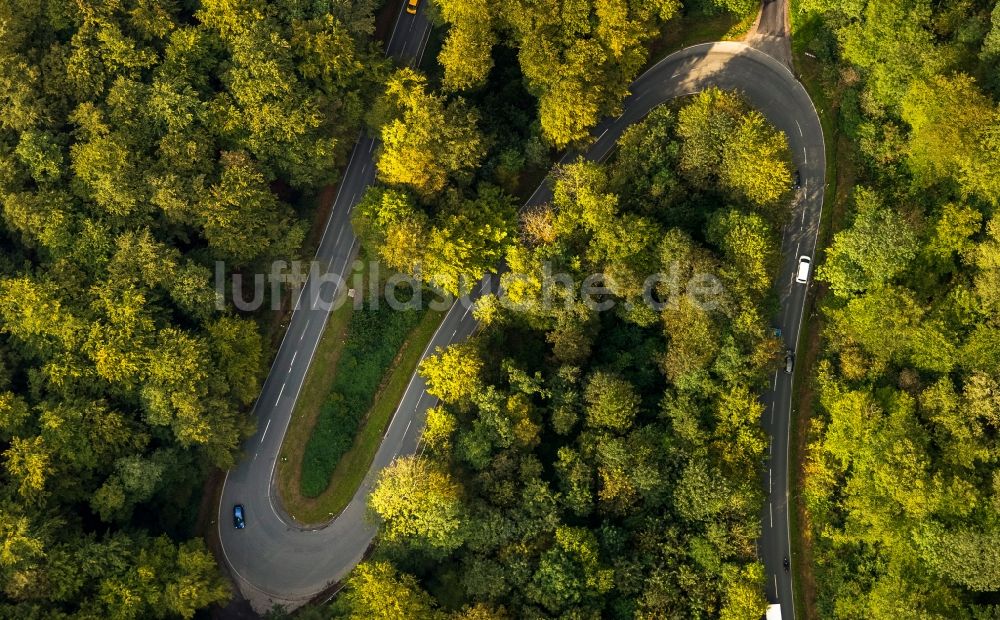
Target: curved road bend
[(268, 567), (277, 562)]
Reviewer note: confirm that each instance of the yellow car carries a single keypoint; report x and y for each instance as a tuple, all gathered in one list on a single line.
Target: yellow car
[(411, 6)]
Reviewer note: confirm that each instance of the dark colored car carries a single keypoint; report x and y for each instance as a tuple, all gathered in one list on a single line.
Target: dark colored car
[(798, 180), (238, 521)]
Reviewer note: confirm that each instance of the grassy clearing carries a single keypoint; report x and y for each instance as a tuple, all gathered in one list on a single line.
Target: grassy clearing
[(360, 371), (322, 372), (373, 338), (354, 464)]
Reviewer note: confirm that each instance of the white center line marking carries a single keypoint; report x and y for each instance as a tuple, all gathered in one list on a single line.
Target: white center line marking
[(293, 358), (770, 511), (602, 135), (423, 45), (776, 585), (280, 392), (799, 126), (264, 434), (407, 427), (805, 154), (371, 146), (393, 35)]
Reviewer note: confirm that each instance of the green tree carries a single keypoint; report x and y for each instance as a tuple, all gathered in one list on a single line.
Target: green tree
[(425, 139), (611, 402), (388, 221), (756, 163), (876, 249), (242, 219), (376, 590), (749, 249), (28, 463), (953, 134), (894, 44), (466, 52), (418, 501), (468, 240), (576, 59), (744, 592), (453, 373)]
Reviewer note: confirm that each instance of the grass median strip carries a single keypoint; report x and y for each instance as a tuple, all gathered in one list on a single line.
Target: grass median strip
[(373, 338), (361, 369)]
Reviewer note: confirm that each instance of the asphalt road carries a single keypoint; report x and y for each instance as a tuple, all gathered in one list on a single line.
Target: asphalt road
[(771, 33), (276, 561)]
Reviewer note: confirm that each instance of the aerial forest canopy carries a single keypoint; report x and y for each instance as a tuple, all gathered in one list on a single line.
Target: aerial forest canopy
[(588, 464), (141, 141), (580, 463), (902, 483), (578, 58)]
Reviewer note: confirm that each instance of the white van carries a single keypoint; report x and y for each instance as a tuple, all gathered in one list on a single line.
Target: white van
[(802, 275)]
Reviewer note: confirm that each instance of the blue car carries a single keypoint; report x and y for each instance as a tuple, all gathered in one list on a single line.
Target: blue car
[(238, 521)]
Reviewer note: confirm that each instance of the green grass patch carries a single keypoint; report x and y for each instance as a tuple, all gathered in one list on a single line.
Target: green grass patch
[(355, 463), (322, 371), (372, 340), (341, 485)]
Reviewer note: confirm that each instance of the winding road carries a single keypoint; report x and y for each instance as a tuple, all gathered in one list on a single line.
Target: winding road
[(276, 561)]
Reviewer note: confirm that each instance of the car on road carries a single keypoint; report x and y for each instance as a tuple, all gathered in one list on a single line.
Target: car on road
[(239, 522), (789, 360), (797, 183), (411, 6), (802, 273)]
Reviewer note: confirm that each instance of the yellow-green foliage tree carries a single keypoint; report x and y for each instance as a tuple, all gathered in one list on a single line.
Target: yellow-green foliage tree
[(426, 140), (417, 501), (140, 142), (578, 57)]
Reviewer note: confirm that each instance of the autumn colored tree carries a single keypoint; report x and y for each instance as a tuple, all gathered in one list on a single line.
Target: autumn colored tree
[(426, 140)]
